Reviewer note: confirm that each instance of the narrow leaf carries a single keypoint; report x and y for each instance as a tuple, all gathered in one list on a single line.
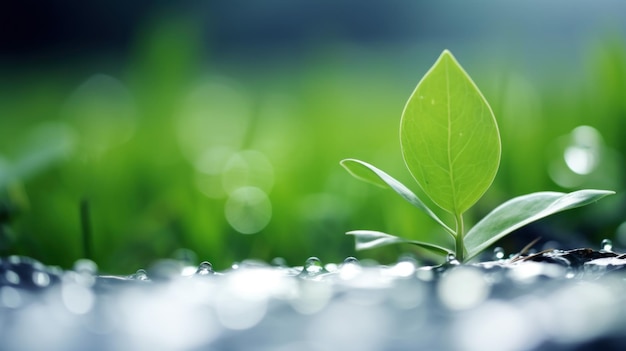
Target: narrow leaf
[(449, 137), (369, 239), (366, 172), (523, 210)]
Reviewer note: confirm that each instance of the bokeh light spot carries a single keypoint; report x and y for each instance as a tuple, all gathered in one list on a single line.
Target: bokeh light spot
[(463, 288), (248, 210), (248, 168)]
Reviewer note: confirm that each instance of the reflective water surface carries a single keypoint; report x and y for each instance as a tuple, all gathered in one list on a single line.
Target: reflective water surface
[(505, 304)]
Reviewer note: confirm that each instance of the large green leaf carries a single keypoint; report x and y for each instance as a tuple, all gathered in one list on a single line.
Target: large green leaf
[(449, 137), (369, 239), (366, 172), (522, 210)]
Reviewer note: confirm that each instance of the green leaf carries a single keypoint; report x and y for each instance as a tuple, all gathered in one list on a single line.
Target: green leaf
[(369, 239), (522, 210), (368, 173), (449, 137)]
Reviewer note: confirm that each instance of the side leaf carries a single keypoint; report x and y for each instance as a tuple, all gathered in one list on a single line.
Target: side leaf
[(369, 239), (368, 173), (523, 210), (449, 137)]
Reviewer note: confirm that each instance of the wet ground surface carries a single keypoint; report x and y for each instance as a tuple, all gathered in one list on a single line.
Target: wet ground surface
[(552, 300)]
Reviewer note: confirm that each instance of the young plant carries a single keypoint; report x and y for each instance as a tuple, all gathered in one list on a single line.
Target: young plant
[(451, 145)]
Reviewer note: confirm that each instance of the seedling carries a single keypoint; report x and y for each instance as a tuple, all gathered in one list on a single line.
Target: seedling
[(451, 145)]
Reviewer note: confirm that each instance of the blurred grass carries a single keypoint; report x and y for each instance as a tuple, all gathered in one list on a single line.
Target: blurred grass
[(156, 149)]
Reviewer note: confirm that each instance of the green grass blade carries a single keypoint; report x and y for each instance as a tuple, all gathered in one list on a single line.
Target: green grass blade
[(449, 137), (368, 173), (523, 210), (369, 239)]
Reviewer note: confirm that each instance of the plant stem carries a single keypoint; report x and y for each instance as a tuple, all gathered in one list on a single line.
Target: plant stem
[(460, 247)]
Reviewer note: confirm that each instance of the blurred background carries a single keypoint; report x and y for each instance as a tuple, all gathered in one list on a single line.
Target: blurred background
[(213, 130)]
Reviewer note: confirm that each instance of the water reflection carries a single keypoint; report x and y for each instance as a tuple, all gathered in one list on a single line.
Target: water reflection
[(357, 306)]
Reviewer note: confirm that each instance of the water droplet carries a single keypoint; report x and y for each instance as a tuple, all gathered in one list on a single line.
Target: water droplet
[(498, 253), (141, 274), (205, 268), (350, 268), (606, 245), (85, 271), (85, 266), (451, 259), (350, 260), (313, 266)]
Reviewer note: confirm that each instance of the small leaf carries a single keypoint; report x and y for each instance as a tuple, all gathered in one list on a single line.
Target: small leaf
[(449, 137), (369, 239), (522, 210), (366, 172)]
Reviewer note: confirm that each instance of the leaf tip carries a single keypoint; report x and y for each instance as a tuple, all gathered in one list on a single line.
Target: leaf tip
[(344, 161), (446, 54)]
